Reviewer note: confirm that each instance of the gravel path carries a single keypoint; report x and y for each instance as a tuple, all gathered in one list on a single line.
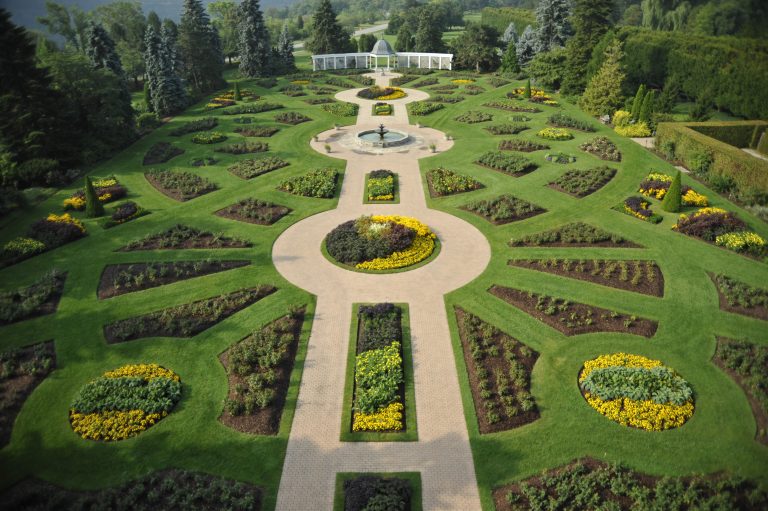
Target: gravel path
[(442, 453)]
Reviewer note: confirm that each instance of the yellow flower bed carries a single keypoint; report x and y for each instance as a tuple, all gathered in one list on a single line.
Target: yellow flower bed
[(535, 93), (396, 94), (645, 415), (389, 418), (738, 241), (300, 82), (146, 371), (421, 248), (381, 197), (692, 198), (74, 203), (66, 218), (462, 81), (112, 425)]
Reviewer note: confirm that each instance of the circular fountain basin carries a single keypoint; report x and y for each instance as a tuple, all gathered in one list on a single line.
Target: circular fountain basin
[(372, 138)]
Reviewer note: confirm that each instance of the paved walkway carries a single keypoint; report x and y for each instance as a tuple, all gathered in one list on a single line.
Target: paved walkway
[(442, 453)]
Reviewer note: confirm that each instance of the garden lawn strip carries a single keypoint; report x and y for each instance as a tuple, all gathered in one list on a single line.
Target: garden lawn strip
[(167, 489), (576, 234), (185, 320), (254, 211), (119, 279), (747, 365), (23, 370), (597, 483), (573, 318), (42, 296), (500, 391), (181, 237), (643, 277), (735, 295), (264, 420)]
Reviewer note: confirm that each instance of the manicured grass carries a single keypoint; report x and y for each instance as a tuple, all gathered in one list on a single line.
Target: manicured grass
[(410, 434), (720, 435), (413, 477)]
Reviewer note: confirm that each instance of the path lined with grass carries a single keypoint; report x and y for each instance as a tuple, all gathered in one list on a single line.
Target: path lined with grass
[(442, 453)]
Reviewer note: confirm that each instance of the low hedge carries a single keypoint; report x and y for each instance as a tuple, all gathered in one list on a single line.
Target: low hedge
[(688, 143)]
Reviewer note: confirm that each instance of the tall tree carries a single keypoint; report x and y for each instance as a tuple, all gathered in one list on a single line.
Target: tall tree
[(254, 41), (125, 23), (300, 22), (326, 35), (405, 40), (510, 34), (547, 68), (365, 42), (638, 102), (429, 34), (225, 17), (284, 50), (509, 62), (591, 19), (553, 25), (70, 23), (100, 49), (603, 95), (475, 48), (153, 20), (199, 48), (526, 46), (166, 91), (30, 126)]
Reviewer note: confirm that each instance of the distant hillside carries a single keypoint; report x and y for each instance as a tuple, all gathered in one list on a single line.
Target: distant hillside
[(25, 12)]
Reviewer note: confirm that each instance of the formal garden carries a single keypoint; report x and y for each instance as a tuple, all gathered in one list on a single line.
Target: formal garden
[(158, 349)]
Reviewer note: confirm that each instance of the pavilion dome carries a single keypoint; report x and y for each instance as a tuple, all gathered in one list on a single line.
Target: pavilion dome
[(382, 47)]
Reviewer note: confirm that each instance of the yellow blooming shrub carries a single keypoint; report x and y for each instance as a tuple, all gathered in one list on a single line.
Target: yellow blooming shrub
[(389, 418), (642, 414), (692, 198)]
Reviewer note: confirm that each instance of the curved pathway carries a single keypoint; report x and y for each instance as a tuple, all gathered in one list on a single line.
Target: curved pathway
[(442, 453)]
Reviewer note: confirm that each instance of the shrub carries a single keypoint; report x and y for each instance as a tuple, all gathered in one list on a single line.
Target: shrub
[(36, 172), (93, 206), (421, 108), (602, 148), (179, 185), (244, 147), (671, 201), (562, 120), (377, 493), (555, 134), (147, 122), (319, 183), (447, 182), (205, 124), (248, 169), (637, 130), (161, 152), (508, 163)]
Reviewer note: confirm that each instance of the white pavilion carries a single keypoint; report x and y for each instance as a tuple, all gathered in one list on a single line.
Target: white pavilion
[(381, 57)]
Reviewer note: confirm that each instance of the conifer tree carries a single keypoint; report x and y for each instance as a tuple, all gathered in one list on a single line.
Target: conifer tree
[(199, 48), (166, 91), (255, 51), (673, 198), (285, 50), (603, 94), (510, 34), (527, 91), (327, 35), (553, 25), (590, 19), (526, 46), (509, 62), (637, 103), (100, 49), (236, 92), (647, 107), (93, 206), (300, 22)]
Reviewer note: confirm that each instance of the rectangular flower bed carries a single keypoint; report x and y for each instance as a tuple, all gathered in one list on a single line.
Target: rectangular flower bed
[(381, 186), (503, 209), (179, 185), (363, 491)]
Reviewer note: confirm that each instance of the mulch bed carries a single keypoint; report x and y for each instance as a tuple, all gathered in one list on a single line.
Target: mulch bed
[(207, 241), (601, 320), (15, 390), (491, 364), (754, 312), (106, 283), (655, 288), (267, 420), (507, 220), (434, 194), (174, 193), (47, 307), (760, 413), (513, 174), (262, 131), (521, 109), (275, 213)]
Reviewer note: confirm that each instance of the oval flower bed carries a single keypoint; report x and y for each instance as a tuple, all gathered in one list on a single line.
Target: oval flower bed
[(636, 391), (122, 403), (382, 93), (380, 242)]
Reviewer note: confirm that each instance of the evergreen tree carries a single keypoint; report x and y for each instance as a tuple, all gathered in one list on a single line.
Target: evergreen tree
[(669, 95), (199, 48), (300, 22), (327, 36), (93, 206), (590, 19), (429, 34), (510, 34), (509, 62), (553, 25), (153, 20), (527, 91), (236, 92), (285, 50), (166, 91), (647, 107), (365, 42), (147, 97), (673, 198), (30, 125), (638, 102), (101, 49), (526, 46), (603, 94), (404, 38), (475, 48), (254, 41)]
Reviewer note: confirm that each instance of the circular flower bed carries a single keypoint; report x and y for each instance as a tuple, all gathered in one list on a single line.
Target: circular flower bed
[(212, 137), (122, 403), (636, 391), (380, 242), (382, 93)]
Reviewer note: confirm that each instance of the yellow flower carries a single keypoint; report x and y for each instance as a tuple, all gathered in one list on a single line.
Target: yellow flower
[(388, 418), (146, 371), (66, 218)]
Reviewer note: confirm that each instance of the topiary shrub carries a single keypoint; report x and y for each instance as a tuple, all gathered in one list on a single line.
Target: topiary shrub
[(93, 206), (671, 201)]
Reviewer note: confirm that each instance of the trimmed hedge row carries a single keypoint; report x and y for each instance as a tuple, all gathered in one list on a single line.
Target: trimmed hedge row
[(688, 143)]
